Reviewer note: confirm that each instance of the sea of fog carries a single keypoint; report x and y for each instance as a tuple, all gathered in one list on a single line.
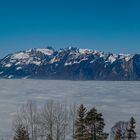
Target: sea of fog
[(116, 100)]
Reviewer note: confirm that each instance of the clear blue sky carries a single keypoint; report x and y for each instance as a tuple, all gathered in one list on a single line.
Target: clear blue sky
[(107, 25)]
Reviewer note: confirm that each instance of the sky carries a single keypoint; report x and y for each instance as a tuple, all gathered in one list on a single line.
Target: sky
[(105, 25)]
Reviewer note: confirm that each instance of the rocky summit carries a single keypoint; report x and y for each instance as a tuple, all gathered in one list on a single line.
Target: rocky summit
[(70, 64)]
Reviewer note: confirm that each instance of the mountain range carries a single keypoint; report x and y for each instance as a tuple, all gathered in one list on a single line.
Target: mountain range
[(70, 64)]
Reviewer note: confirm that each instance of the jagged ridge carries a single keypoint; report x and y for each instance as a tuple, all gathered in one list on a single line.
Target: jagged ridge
[(70, 63)]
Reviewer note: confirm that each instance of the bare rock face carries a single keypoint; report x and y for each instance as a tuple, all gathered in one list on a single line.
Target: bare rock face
[(70, 64)]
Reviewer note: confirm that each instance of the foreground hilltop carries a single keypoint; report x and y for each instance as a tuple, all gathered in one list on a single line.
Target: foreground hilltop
[(70, 64)]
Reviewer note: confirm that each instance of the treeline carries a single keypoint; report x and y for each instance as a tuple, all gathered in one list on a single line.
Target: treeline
[(59, 121)]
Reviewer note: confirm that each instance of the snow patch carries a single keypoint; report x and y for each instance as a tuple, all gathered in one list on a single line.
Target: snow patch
[(10, 76), (8, 65), (17, 63), (45, 51), (92, 61), (68, 63), (1, 72), (53, 60), (36, 62), (75, 62), (18, 68), (12, 61), (127, 57), (85, 51), (112, 58), (20, 56), (26, 77)]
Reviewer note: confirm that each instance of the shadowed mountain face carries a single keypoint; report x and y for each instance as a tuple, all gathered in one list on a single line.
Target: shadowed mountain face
[(70, 63)]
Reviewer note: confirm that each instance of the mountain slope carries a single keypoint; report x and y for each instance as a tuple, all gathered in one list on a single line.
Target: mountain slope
[(70, 63)]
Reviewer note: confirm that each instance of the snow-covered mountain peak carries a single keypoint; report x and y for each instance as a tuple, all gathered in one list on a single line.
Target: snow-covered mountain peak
[(46, 51), (85, 51), (68, 63), (127, 57), (20, 55), (31, 56), (31, 52)]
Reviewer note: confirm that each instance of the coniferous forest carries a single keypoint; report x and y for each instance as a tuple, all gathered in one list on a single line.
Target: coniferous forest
[(59, 121)]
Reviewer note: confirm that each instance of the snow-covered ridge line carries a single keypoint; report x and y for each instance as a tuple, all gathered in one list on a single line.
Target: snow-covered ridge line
[(49, 51), (33, 55), (69, 62)]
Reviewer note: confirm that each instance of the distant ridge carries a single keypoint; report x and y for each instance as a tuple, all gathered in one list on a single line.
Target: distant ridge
[(70, 64)]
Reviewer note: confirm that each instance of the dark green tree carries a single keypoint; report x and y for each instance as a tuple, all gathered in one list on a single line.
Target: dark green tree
[(95, 124), (131, 134), (81, 132), (21, 133)]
